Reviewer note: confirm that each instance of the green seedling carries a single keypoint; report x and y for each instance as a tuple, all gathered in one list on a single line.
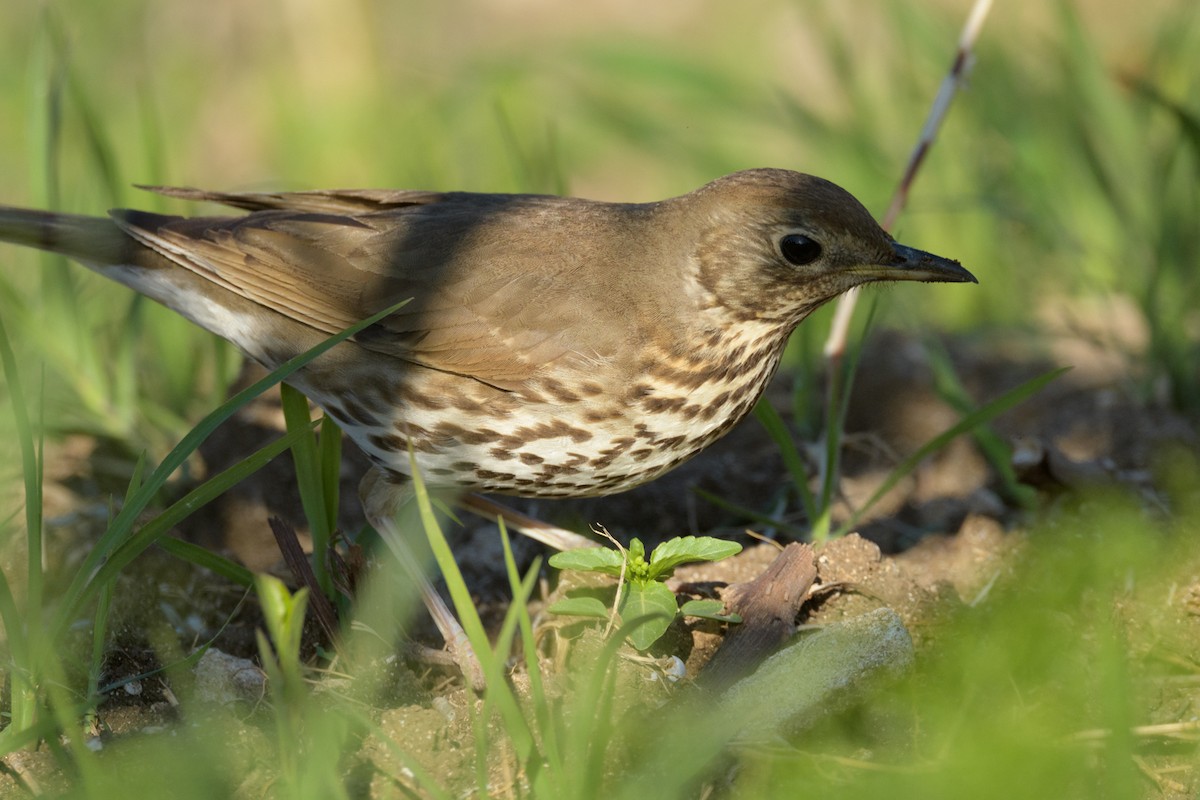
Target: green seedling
[(641, 593)]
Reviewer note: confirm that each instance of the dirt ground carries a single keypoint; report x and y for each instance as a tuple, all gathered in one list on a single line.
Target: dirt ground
[(940, 538)]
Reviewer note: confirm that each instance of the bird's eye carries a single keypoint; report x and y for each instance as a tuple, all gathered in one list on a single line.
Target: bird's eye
[(799, 249)]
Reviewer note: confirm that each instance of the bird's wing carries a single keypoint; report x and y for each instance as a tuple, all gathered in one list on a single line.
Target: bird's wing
[(469, 313), (327, 201)]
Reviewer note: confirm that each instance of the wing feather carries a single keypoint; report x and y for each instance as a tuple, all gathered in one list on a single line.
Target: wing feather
[(330, 259)]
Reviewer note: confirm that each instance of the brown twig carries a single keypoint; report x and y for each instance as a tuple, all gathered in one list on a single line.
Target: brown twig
[(835, 345), (544, 532), (768, 606), (614, 616), (297, 562)]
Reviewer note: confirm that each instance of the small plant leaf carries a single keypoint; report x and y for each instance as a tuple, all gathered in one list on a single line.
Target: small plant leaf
[(707, 609), (648, 599), (670, 554), (636, 566), (636, 549), (580, 607), (589, 559)]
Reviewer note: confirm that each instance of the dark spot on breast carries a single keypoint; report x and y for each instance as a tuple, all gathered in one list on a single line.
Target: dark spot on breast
[(559, 392), (275, 355), (545, 430), (427, 401), (461, 434), (549, 470), (389, 442), (641, 390), (658, 405), (488, 475), (358, 412), (678, 460), (379, 387), (449, 430), (687, 379), (465, 404), (501, 454), (611, 481), (338, 414), (530, 458)]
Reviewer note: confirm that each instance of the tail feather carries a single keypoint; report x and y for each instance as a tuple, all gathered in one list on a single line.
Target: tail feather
[(102, 245), (96, 240)]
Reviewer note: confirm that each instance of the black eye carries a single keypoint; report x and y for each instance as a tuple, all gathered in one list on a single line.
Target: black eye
[(799, 250)]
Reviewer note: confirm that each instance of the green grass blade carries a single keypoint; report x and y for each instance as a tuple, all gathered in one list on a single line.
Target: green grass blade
[(459, 594), (546, 724), (203, 557), (21, 670), (499, 694), (841, 381), (964, 425), (185, 663), (121, 528), (424, 780), (746, 512), (777, 429), (156, 529), (99, 635), (310, 476), (498, 691), (24, 630), (329, 457), (31, 470), (997, 453)]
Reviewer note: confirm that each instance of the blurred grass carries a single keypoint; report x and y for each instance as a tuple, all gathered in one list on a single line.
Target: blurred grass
[(1036, 692), (1053, 179), (1068, 170)]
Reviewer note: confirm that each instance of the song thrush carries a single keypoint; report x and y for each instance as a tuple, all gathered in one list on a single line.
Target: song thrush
[(553, 347)]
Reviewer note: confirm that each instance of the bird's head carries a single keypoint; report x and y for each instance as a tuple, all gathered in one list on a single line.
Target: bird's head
[(774, 244)]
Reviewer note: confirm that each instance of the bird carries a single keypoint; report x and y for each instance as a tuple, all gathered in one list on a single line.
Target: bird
[(551, 346)]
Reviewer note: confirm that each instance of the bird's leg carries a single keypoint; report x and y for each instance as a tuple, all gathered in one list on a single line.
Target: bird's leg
[(382, 501), (544, 532)]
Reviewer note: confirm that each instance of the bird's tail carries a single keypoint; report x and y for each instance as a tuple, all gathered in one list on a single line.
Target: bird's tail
[(97, 241), (101, 245)]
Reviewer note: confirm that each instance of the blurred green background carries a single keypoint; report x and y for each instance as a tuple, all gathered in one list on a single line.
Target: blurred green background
[(1068, 168), (1066, 177)]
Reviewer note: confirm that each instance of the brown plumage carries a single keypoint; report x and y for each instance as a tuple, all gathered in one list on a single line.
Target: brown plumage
[(553, 346)]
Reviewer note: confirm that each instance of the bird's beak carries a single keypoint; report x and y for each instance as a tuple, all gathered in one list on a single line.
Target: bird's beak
[(916, 265)]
